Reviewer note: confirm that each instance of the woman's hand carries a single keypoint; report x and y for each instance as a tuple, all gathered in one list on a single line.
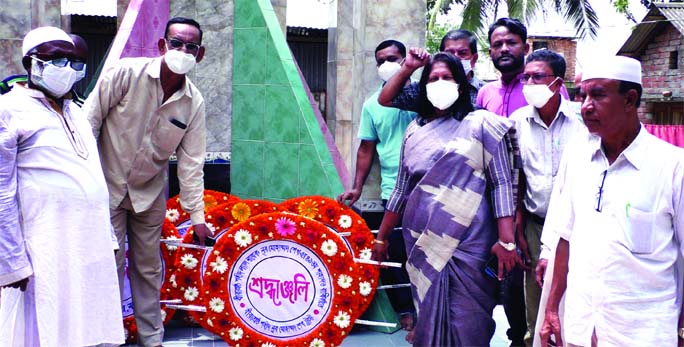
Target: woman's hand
[(416, 58), (380, 250), (507, 260)]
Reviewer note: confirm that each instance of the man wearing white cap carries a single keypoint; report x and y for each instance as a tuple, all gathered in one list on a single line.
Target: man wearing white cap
[(57, 268), (618, 208)]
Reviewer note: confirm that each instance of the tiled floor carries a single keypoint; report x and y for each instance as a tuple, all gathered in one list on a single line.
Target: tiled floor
[(177, 336)]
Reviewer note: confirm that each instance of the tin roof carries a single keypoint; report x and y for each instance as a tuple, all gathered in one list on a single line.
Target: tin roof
[(658, 17)]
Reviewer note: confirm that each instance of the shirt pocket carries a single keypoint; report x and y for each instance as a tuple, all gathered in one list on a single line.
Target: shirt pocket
[(166, 138), (640, 230)]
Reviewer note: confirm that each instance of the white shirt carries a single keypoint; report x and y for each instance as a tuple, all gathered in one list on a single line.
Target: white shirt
[(541, 148), (623, 279)]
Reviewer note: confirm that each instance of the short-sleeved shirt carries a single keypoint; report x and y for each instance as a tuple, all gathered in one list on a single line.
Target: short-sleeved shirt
[(385, 126)]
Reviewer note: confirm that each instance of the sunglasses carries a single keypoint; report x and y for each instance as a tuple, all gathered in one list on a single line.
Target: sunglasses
[(189, 46), (62, 62)]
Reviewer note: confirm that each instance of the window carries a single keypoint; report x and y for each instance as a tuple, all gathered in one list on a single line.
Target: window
[(674, 60), (539, 45)]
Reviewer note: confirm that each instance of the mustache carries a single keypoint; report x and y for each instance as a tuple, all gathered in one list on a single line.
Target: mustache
[(505, 56)]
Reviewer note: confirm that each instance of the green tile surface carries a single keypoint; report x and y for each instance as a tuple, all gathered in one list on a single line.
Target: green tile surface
[(248, 112)]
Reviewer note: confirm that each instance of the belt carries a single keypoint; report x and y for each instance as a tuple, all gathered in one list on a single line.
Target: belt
[(533, 217)]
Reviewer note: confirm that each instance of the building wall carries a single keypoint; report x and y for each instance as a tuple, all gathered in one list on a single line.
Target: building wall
[(565, 47), (657, 76), (18, 18)]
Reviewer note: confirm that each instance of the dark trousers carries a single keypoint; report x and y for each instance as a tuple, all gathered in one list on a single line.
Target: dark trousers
[(513, 298)]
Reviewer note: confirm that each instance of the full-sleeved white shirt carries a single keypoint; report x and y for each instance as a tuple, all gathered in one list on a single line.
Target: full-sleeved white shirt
[(623, 279), (541, 149)]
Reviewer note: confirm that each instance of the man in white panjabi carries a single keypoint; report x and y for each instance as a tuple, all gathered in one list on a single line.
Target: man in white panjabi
[(619, 256), (57, 268)]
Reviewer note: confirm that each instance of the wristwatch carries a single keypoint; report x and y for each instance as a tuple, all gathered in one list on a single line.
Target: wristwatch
[(680, 332), (509, 246)]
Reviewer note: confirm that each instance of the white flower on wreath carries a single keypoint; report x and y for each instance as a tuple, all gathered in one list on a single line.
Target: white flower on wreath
[(344, 281), (172, 279), (172, 215), (317, 343), (219, 265), (163, 315), (170, 247), (329, 248), (243, 238), (216, 305), (365, 288), (188, 261), (267, 344), (342, 319), (191, 294), (345, 221), (235, 333), (366, 253), (210, 323), (211, 227)]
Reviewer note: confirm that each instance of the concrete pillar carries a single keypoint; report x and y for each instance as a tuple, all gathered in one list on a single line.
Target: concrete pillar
[(356, 28)]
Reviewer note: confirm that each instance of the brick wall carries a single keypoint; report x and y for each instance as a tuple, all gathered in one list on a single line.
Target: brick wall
[(657, 77), (565, 47)]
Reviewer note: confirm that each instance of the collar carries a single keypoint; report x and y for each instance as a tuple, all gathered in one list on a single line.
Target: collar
[(635, 154), (564, 110), (153, 69)]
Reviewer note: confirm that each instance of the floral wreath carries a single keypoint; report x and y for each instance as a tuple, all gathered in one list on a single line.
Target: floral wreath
[(347, 282), (343, 219), (212, 198), (185, 279)]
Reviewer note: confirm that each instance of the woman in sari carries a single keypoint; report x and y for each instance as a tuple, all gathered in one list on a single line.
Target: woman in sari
[(454, 191)]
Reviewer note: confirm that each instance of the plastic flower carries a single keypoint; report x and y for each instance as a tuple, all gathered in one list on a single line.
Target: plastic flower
[(344, 281), (317, 343), (243, 238), (188, 261), (211, 227), (267, 344), (172, 279), (329, 248), (171, 248), (284, 226), (342, 319), (345, 221), (219, 265), (172, 215), (308, 208), (235, 333), (365, 288), (216, 305), (209, 202), (210, 323), (366, 253), (191, 294), (163, 315), (241, 211)]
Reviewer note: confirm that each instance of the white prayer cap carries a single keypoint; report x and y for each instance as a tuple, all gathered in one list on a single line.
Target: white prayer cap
[(41, 35), (614, 67)]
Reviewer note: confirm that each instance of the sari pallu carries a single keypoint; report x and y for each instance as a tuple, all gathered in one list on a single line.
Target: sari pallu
[(449, 227)]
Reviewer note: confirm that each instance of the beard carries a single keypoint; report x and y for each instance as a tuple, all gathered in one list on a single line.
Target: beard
[(515, 64)]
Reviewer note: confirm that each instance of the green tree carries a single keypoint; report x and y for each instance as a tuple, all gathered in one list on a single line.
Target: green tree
[(477, 13)]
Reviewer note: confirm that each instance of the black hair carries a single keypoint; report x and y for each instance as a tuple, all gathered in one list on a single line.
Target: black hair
[(388, 43), (462, 106), (182, 20), (514, 26), (460, 34), (625, 86), (555, 61)]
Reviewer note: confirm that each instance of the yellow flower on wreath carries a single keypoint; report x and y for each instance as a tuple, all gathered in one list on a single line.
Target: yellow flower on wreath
[(241, 211), (308, 208), (209, 202)]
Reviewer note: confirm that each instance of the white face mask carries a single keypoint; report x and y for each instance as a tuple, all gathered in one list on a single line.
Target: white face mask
[(537, 95), (467, 67), (442, 94), (388, 69), (178, 62), (55, 80)]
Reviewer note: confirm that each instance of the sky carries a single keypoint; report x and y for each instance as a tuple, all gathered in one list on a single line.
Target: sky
[(614, 27)]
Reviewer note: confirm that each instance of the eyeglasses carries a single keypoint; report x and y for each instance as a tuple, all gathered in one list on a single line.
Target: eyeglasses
[(536, 77), (192, 48), (62, 62), (599, 194)]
